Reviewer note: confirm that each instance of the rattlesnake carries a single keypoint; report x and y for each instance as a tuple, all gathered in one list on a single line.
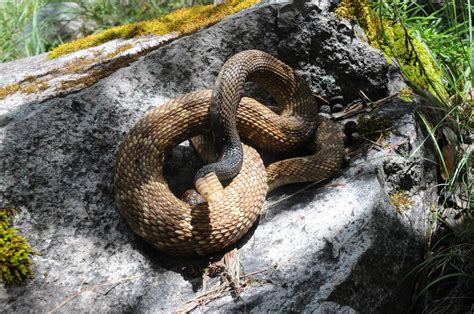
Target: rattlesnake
[(156, 214)]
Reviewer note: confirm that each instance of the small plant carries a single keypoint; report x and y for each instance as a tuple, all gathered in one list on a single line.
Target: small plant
[(375, 129), (401, 200), (14, 252), (15, 40)]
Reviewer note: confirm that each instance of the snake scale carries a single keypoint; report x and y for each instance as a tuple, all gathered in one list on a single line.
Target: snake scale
[(142, 194)]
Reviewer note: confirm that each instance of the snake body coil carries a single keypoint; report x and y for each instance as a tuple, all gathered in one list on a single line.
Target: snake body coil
[(143, 196)]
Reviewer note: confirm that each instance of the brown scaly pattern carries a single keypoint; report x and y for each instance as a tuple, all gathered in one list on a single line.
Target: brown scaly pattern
[(299, 107), (145, 200)]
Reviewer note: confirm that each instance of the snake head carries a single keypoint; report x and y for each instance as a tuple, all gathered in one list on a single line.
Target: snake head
[(210, 187)]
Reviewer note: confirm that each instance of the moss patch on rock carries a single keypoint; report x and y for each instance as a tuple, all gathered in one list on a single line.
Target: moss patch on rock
[(15, 252), (32, 84), (413, 57), (406, 94), (359, 10), (182, 21), (395, 41), (93, 76), (9, 89), (28, 86)]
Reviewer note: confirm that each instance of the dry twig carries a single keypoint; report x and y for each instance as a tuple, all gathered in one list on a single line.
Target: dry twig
[(361, 107), (228, 269), (91, 289)]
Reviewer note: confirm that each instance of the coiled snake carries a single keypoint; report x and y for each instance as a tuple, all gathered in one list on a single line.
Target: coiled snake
[(171, 225)]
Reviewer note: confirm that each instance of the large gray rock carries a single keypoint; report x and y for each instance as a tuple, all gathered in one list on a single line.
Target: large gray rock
[(335, 247)]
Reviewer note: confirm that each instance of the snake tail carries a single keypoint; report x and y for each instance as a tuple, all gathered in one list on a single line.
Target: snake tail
[(326, 160)]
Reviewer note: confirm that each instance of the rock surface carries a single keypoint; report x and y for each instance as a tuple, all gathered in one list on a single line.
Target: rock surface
[(337, 247)]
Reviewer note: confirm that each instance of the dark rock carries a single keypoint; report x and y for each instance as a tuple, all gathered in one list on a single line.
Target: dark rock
[(325, 51), (350, 127), (356, 138), (325, 109), (469, 138), (336, 100), (337, 108)]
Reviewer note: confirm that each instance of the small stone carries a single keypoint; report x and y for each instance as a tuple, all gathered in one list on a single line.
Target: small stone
[(356, 138), (352, 139), (325, 109), (350, 127), (336, 90), (337, 108), (336, 100), (469, 139)]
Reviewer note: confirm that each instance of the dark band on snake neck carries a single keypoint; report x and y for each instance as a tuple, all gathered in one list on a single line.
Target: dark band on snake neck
[(277, 78)]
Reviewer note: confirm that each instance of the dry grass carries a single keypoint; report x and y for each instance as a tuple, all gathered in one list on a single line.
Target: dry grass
[(401, 200)]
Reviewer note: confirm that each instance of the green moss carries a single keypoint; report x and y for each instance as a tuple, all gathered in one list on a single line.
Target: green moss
[(182, 21), (85, 80), (124, 31), (81, 64), (359, 10), (405, 94), (78, 65), (396, 42), (413, 57), (14, 252), (375, 129), (401, 201)]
